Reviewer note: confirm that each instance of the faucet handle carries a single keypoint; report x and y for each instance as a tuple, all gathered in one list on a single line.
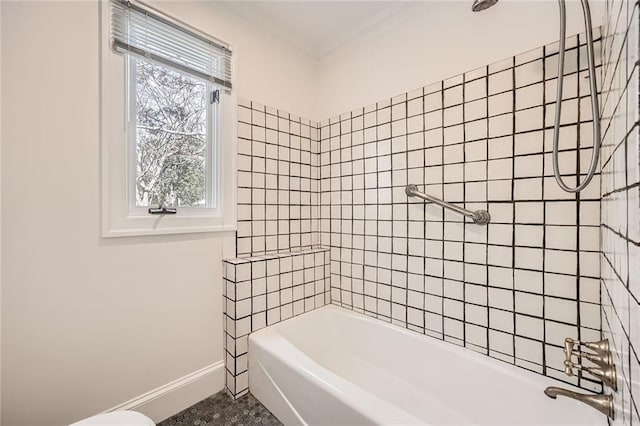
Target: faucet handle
[(606, 373), (569, 343), (568, 367), (601, 356), (601, 347)]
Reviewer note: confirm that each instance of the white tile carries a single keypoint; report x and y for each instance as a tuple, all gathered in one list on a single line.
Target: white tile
[(561, 237), (475, 89), (502, 321), (561, 261), (529, 142), (501, 65), (527, 349), (500, 169), (475, 110), (529, 119), (500, 82), (453, 115), (529, 235), (529, 96), (561, 309), (475, 74), (501, 103), (453, 96), (432, 101), (529, 304), (501, 125), (528, 327), (501, 342), (501, 147), (529, 73), (529, 56), (528, 258), (475, 130)]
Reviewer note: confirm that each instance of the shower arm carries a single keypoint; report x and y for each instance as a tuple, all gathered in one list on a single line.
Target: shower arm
[(595, 114)]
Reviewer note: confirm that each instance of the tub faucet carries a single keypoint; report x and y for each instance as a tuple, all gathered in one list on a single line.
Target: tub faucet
[(602, 403), (601, 357)]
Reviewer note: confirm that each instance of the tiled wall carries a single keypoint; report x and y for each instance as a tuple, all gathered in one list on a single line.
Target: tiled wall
[(280, 270), (264, 290), (621, 203), (512, 290), (278, 174)]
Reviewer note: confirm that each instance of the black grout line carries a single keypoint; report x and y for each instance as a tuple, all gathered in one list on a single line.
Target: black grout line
[(464, 225), (544, 227), (513, 220), (577, 197), (443, 313)]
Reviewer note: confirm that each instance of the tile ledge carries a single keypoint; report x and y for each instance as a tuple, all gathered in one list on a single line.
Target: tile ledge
[(276, 255)]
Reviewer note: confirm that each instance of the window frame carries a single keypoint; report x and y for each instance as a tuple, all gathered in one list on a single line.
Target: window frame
[(213, 136), (119, 214)]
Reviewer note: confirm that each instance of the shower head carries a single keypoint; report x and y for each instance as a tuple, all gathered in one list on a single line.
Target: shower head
[(480, 5)]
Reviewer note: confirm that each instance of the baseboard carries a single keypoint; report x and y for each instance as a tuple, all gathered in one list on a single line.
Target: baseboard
[(169, 399)]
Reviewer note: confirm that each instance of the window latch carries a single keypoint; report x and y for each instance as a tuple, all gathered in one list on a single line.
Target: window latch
[(215, 96), (162, 210)]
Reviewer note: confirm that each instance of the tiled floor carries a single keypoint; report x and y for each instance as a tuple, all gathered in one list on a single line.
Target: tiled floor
[(220, 409)]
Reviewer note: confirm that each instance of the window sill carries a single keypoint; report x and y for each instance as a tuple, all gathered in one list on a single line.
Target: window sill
[(165, 225)]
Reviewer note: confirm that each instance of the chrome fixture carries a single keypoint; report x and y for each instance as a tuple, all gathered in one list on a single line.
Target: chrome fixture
[(595, 109), (479, 5), (481, 217), (602, 403), (604, 370), (601, 357), (601, 348)]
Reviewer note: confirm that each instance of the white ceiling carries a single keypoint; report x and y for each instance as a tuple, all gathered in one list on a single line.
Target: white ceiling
[(317, 28)]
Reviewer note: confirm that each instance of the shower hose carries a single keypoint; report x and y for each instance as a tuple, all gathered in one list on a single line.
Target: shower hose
[(594, 100)]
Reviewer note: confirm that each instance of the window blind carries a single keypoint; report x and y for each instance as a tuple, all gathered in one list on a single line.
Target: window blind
[(138, 31)]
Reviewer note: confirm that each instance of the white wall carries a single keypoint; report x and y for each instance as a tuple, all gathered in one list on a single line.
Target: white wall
[(88, 323), (433, 40), (268, 71)]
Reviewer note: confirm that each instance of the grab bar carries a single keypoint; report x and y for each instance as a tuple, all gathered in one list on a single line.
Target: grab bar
[(481, 217)]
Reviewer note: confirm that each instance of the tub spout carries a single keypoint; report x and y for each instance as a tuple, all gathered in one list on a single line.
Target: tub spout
[(602, 403)]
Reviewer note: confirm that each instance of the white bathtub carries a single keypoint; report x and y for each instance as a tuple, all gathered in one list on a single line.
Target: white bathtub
[(333, 366)]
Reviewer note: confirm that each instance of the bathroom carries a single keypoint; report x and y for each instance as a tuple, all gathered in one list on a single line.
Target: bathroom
[(306, 279)]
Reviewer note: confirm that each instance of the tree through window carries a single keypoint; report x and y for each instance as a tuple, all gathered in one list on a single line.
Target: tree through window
[(172, 125)]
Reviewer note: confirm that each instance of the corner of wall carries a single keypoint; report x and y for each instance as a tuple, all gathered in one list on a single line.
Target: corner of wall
[(620, 195), (0, 213)]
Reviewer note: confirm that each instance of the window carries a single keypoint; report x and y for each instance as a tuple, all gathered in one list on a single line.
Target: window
[(173, 138), (168, 136)]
